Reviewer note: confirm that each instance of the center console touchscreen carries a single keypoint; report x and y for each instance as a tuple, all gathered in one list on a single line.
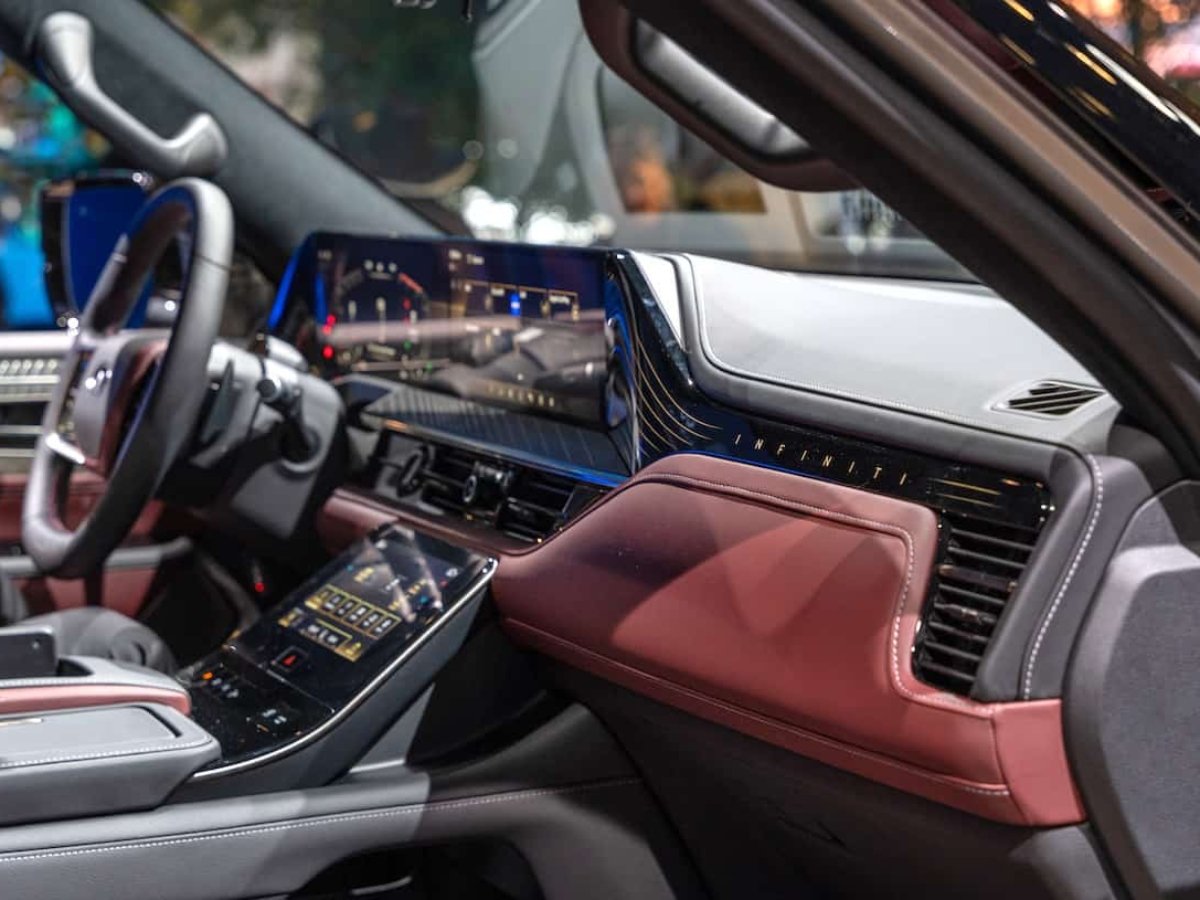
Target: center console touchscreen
[(333, 633), (325, 647)]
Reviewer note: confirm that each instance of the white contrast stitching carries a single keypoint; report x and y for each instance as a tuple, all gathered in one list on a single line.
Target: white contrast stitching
[(1062, 590), (132, 751), (407, 810), (943, 780), (939, 699)]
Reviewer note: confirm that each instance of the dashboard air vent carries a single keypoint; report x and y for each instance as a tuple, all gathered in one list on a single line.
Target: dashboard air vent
[(979, 564), (522, 502), (536, 505), (1051, 399), (445, 476)]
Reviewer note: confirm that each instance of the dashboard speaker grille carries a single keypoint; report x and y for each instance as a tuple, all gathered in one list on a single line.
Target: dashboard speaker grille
[(980, 562)]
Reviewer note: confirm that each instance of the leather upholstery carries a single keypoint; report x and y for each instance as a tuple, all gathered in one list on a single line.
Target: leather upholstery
[(783, 607), (124, 590)]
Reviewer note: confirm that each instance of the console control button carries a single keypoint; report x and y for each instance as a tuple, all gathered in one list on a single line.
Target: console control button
[(279, 719), (290, 660), (386, 624), (332, 639), (314, 630)]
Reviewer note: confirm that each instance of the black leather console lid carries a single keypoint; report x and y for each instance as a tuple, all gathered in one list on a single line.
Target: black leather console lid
[(96, 761)]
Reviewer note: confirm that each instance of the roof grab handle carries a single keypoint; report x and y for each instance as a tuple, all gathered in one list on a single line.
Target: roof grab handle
[(64, 49)]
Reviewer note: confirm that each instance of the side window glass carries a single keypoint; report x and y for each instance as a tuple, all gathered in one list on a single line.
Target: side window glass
[(1164, 34), (40, 139)]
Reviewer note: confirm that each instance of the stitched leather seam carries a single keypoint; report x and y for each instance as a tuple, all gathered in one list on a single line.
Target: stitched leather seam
[(941, 700), (1066, 583), (948, 781), (333, 819), (109, 754)]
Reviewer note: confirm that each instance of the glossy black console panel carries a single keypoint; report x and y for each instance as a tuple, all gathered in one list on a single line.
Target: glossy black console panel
[(317, 654)]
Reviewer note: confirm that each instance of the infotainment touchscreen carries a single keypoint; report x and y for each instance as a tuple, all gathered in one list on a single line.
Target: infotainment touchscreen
[(512, 326), (335, 631)]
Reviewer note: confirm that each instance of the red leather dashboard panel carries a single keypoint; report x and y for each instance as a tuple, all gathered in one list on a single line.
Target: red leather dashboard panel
[(785, 608)]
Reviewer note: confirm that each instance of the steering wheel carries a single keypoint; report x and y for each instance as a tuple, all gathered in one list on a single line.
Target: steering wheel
[(126, 402)]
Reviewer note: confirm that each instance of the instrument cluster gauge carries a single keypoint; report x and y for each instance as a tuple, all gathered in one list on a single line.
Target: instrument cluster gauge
[(375, 310), (377, 291), (508, 326)]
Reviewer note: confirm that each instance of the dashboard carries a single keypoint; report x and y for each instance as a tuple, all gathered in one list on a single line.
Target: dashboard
[(504, 389), (849, 496)]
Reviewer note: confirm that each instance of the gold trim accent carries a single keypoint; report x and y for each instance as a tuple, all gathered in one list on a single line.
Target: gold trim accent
[(969, 487)]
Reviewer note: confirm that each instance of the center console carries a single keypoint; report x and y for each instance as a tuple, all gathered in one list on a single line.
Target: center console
[(309, 662)]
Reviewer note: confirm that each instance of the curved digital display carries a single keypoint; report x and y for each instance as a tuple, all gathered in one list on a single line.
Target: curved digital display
[(512, 326)]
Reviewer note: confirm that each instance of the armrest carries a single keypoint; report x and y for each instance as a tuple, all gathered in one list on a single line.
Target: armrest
[(96, 761), (92, 682)]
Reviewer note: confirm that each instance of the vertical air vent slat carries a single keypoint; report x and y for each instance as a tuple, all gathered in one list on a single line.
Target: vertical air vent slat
[(960, 553), (953, 652), (967, 615), (973, 597), (980, 563), (936, 673), (958, 633)]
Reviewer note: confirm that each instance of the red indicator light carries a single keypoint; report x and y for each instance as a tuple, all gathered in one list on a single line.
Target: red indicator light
[(327, 352), (289, 660), (260, 587), (331, 320)]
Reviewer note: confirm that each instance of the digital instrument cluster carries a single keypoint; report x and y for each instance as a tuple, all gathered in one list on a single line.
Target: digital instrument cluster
[(517, 327)]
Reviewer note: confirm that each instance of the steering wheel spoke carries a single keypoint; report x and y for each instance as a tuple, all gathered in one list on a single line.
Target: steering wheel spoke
[(64, 448)]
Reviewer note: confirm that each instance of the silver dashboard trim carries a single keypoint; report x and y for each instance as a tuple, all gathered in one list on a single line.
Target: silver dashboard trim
[(477, 586)]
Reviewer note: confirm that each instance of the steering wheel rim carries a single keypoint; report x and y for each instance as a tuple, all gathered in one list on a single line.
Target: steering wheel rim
[(126, 403)]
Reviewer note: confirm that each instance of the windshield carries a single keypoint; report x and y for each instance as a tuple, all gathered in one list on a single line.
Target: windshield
[(511, 128)]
